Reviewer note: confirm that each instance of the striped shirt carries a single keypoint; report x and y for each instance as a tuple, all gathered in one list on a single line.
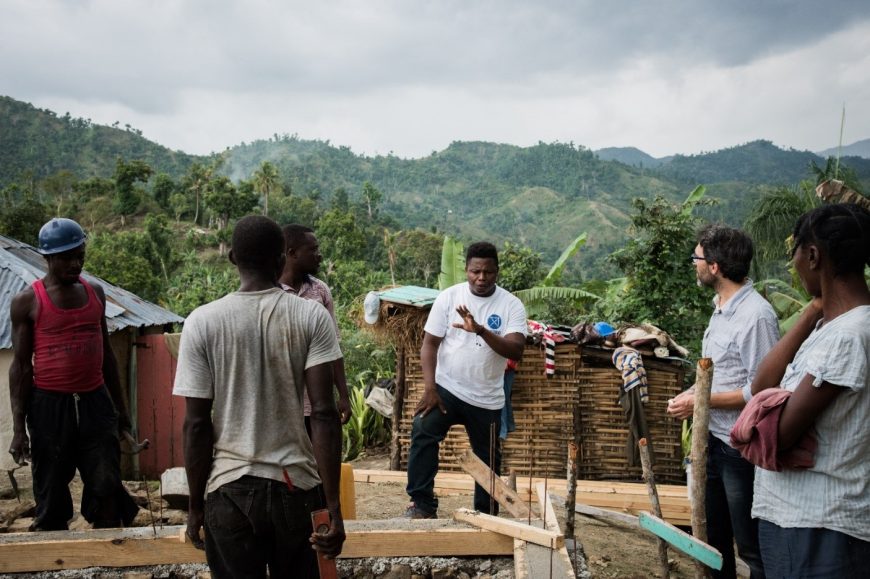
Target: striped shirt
[(738, 337), (835, 493), (316, 290)]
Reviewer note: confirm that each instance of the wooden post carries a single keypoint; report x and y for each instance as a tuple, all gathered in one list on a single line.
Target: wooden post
[(571, 495), (573, 473), (398, 404), (700, 430), (649, 477)]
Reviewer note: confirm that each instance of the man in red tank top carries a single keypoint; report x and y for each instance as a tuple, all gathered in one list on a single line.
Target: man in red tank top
[(65, 387)]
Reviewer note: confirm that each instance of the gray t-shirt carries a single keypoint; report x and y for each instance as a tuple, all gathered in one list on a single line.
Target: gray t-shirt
[(248, 351), (835, 492), (739, 336)]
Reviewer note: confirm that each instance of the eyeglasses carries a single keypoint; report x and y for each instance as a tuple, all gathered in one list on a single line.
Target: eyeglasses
[(695, 258)]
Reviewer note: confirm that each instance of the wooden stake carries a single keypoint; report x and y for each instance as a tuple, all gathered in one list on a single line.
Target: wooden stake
[(398, 403), (700, 431), (512, 480), (649, 477), (571, 499)]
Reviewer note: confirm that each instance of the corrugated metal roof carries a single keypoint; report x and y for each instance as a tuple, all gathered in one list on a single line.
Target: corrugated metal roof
[(21, 265), (410, 295)]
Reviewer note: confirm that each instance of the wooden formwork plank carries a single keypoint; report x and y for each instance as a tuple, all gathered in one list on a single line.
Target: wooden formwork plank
[(506, 497), (521, 564), (548, 514), (623, 497), (514, 529), (58, 550)]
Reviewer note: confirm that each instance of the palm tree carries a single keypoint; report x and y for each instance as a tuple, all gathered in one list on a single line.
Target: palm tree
[(266, 179), (772, 219)]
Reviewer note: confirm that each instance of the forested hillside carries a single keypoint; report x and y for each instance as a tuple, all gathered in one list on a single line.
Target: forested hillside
[(159, 221), (36, 143), (541, 196)]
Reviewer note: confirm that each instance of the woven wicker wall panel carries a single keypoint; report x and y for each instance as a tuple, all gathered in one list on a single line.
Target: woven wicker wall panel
[(544, 414)]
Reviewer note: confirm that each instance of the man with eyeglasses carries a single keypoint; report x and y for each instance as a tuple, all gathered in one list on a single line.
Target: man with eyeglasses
[(742, 330)]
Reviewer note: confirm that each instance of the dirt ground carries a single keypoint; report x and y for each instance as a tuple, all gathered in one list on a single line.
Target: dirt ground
[(612, 550)]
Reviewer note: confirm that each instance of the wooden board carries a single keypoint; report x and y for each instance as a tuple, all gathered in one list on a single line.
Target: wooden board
[(564, 568), (697, 549), (503, 494), (521, 564), (623, 497), (514, 529), (55, 551)]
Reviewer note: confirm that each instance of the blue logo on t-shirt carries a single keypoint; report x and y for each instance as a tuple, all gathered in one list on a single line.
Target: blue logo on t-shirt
[(493, 321)]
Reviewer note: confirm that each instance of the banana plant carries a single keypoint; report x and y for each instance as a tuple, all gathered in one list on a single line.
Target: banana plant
[(694, 197), (535, 298), (452, 263)]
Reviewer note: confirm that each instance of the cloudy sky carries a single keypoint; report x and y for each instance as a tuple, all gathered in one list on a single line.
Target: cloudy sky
[(409, 77)]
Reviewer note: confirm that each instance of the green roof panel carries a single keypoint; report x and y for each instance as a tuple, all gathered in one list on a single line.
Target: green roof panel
[(410, 295)]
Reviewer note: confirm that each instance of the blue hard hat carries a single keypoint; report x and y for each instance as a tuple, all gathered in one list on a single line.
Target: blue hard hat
[(59, 235), (604, 329)]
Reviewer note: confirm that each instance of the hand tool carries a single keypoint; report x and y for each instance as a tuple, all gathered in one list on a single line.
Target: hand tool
[(320, 522)]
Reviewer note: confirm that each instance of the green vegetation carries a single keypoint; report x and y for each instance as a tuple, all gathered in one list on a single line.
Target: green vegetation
[(618, 236)]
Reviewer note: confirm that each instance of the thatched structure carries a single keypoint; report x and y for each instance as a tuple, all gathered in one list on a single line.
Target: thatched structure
[(579, 403)]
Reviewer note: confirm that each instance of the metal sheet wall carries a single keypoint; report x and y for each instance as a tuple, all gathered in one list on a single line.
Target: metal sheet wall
[(161, 415)]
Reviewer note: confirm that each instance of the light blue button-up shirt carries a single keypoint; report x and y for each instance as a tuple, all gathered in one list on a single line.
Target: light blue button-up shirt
[(738, 337)]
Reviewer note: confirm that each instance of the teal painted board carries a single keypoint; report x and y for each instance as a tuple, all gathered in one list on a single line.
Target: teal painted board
[(681, 540), (410, 295)]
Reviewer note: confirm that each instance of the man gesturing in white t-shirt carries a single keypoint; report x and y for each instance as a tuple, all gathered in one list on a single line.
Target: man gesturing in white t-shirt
[(472, 329)]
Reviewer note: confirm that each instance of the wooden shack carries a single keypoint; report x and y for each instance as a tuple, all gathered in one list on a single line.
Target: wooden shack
[(579, 401)]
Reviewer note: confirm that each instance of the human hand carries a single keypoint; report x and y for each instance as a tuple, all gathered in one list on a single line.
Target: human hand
[(19, 448), (126, 435), (344, 408), (682, 406), (428, 402), (195, 518), (468, 324), (329, 543)]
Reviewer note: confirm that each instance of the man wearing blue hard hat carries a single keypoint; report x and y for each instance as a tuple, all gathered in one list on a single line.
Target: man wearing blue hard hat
[(64, 385)]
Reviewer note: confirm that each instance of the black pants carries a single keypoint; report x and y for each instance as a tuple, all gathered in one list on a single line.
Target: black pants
[(69, 432), (253, 523), (426, 436)]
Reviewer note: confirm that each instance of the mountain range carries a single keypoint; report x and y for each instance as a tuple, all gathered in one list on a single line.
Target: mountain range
[(543, 195)]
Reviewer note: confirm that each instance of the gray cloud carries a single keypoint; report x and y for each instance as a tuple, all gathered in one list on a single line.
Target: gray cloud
[(411, 77)]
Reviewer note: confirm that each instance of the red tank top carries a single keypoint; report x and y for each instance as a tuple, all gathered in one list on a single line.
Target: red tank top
[(67, 344)]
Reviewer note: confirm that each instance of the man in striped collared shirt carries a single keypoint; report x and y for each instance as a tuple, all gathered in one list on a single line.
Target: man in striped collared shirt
[(303, 261), (742, 330)]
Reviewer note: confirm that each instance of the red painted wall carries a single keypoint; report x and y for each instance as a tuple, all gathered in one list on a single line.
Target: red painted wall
[(160, 414)]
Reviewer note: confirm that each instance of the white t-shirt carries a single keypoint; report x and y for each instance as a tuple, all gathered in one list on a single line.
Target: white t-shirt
[(467, 367), (835, 493), (248, 352)]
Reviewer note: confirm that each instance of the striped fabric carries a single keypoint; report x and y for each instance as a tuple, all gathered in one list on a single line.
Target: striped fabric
[(550, 335), (628, 361)]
